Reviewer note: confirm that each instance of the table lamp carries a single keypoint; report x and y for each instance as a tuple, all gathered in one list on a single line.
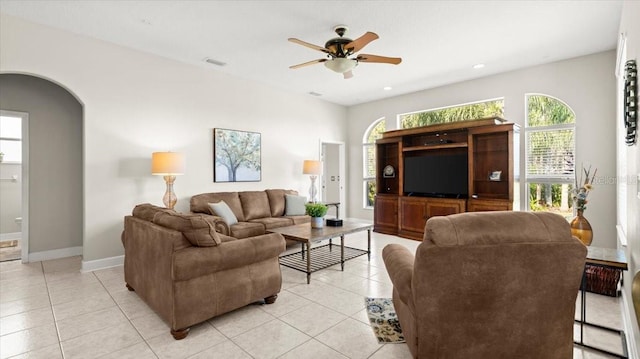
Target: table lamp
[(313, 168), (169, 165)]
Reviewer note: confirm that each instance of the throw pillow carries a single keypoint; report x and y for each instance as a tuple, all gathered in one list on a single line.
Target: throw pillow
[(294, 205), (223, 210)]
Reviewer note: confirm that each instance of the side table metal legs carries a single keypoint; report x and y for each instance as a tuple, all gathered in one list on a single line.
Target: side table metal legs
[(583, 322)]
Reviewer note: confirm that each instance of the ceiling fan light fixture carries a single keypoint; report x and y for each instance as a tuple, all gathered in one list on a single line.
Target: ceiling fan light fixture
[(341, 65)]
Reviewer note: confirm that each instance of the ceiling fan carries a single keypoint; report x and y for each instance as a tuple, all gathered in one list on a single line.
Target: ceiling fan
[(340, 48)]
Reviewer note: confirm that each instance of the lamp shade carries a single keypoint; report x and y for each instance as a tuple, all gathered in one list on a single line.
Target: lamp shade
[(341, 65), (311, 167), (167, 163)]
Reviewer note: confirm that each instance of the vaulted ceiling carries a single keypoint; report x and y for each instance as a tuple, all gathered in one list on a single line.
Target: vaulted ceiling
[(439, 41)]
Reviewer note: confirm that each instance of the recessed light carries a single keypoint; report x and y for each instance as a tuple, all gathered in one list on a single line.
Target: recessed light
[(214, 61), (478, 66), (387, 88)]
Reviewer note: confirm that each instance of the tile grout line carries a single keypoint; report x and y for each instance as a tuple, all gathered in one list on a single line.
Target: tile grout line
[(53, 313), (144, 340)]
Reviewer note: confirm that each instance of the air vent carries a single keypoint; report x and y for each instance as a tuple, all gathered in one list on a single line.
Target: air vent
[(215, 62)]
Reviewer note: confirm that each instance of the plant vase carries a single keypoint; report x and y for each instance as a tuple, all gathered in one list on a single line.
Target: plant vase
[(317, 222), (581, 229)]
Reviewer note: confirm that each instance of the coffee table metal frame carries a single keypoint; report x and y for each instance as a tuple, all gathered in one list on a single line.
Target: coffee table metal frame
[(323, 256)]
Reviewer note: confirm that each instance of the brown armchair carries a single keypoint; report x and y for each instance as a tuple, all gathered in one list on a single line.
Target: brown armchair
[(489, 285)]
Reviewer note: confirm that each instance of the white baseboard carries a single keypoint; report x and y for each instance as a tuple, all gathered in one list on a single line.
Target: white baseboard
[(55, 254), (11, 236), (90, 266)]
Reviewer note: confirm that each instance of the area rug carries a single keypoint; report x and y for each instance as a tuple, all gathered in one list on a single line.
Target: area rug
[(383, 320), (7, 244)]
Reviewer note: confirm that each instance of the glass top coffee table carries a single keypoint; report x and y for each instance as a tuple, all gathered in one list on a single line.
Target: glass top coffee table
[(323, 256)]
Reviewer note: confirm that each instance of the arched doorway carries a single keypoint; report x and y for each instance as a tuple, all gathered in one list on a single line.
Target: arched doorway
[(51, 166)]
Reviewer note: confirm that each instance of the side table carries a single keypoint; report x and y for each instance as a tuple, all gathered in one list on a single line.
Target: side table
[(607, 258)]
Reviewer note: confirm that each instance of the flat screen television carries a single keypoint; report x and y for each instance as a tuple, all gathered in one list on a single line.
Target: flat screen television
[(437, 175)]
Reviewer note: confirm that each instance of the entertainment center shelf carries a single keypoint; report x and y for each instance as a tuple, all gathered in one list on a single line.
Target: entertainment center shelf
[(435, 147), (443, 169)]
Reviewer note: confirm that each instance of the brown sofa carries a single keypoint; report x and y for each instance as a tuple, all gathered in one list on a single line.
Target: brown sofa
[(489, 285), (188, 273), (256, 211)]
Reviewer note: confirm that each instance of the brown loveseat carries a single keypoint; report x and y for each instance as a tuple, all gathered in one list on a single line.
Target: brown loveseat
[(255, 211), (489, 285), (188, 273)]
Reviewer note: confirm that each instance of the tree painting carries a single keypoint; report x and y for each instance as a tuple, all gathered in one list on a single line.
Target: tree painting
[(237, 156)]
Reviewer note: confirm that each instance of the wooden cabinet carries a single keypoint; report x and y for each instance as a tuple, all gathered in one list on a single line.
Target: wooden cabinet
[(491, 148), (479, 205), (415, 211), (386, 214), (388, 178)]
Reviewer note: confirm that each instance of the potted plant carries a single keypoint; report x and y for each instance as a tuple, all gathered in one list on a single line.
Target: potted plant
[(316, 211)]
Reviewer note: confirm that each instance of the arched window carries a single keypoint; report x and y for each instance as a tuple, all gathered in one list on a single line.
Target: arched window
[(372, 133), (550, 153), (455, 113)]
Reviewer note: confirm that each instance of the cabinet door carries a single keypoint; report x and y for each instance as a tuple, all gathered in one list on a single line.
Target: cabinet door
[(386, 214), (443, 207), (412, 217)]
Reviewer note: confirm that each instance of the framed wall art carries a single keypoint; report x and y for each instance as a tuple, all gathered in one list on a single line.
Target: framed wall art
[(236, 156)]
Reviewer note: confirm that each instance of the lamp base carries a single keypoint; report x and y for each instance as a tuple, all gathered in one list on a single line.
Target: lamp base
[(312, 190), (334, 222), (169, 198)]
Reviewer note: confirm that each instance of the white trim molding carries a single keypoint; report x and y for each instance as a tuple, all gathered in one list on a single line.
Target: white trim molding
[(11, 236), (627, 317), (104, 263)]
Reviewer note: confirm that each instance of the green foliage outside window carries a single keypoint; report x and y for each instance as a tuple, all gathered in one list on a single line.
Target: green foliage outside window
[(550, 154), (371, 193), (370, 161), (453, 114)]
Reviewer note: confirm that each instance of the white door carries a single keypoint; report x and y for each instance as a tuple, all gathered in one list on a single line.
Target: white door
[(332, 181)]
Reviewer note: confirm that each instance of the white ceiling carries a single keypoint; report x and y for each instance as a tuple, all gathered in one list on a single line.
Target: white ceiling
[(438, 41)]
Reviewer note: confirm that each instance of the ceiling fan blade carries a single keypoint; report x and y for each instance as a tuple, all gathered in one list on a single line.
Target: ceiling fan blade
[(311, 46), (379, 59), (357, 44), (348, 74), (307, 63)]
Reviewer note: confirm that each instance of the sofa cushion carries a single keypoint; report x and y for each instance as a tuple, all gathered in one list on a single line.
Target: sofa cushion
[(273, 222), (277, 201), (255, 204), (221, 209), (247, 229), (196, 228), (200, 203), (294, 205)]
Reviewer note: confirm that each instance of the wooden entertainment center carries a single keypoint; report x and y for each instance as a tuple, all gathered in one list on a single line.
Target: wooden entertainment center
[(490, 146)]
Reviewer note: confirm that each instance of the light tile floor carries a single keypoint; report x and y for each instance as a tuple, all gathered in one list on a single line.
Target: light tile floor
[(52, 310)]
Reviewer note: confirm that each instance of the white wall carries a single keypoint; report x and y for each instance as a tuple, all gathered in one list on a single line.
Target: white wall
[(136, 103), (586, 84), (630, 26)]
